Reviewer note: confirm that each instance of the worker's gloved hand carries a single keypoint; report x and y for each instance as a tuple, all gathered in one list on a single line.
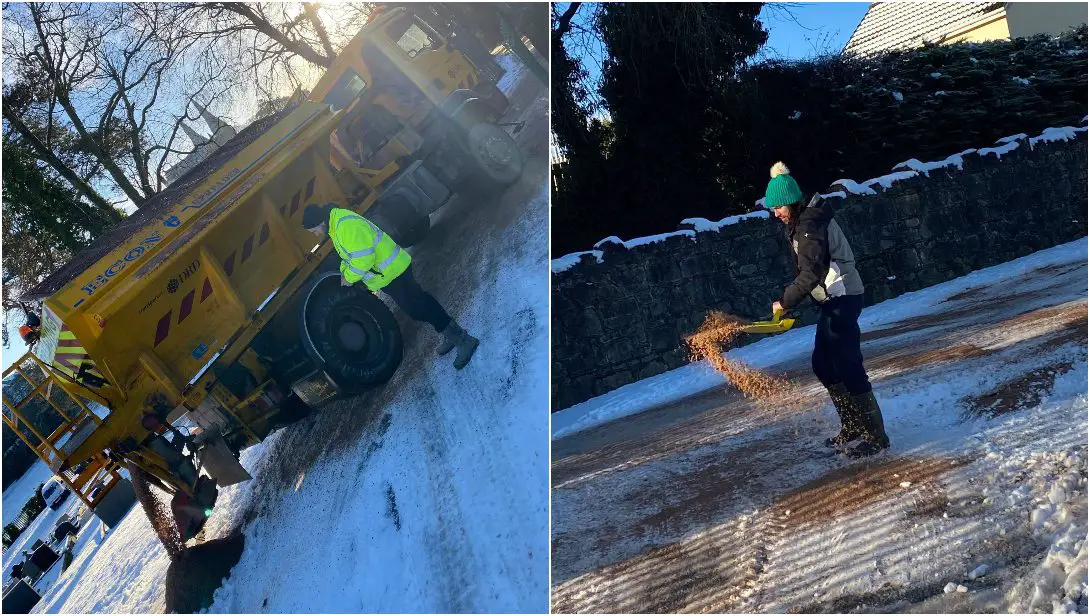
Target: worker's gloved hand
[(777, 311), (344, 281)]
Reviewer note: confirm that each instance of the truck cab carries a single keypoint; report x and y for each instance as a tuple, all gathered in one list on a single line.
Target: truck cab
[(419, 124)]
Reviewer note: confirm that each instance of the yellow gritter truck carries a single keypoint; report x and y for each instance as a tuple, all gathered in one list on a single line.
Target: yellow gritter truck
[(210, 318)]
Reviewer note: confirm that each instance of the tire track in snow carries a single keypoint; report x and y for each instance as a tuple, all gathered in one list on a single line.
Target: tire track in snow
[(453, 556)]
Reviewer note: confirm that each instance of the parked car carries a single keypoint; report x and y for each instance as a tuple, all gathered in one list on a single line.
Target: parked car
[(49, 489), (57, 502)]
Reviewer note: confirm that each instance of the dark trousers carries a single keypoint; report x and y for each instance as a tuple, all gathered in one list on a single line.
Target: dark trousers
[(416, 302), (837, 358)]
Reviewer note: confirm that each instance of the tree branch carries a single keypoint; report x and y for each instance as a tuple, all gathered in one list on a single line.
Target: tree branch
[(51, 159)]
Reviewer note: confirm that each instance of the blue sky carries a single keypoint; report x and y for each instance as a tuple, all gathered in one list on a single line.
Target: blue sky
[(796, 30)]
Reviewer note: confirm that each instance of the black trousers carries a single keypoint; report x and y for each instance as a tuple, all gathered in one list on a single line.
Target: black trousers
[(416, 302), (837, 357)]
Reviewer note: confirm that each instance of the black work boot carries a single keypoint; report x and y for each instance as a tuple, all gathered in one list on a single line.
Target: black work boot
[(850, 427), (467, 345), (874, 429), (451, 335)]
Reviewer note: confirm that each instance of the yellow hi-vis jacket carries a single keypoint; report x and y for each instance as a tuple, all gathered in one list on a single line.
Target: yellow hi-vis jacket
[(367, 253)]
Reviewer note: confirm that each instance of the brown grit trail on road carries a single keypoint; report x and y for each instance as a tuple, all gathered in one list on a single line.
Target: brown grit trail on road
[(713, 338)]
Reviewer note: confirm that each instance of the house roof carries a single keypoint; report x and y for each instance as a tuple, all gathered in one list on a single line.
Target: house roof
[(899, 25)]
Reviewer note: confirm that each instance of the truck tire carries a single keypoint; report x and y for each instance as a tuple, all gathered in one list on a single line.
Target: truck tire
[(351, 334), (496, 160), (400, 219)]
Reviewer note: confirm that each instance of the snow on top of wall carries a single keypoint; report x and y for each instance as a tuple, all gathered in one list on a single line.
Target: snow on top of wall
[(887, 180), (642, 241), (954, 160), (854, 187), (1063, 133), (703, 224), (1021, 80), (1018, 137), (760, 202), (999, 151), (839, 194), (1084, 118), (661, 237), (613, 239), (565, 263)]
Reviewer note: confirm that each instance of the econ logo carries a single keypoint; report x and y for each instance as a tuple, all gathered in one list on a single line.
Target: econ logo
[(115, 268)]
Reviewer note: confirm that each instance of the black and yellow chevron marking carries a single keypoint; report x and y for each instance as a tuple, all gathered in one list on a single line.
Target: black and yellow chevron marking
[(72, 360)]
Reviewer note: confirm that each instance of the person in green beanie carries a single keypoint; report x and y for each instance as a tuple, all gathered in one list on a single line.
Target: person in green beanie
[(825, 271)]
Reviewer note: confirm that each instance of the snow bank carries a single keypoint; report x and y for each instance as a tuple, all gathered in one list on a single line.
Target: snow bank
[(703, 224)]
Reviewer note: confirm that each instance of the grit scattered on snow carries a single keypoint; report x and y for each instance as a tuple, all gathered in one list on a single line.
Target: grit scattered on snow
[(1002, 531)]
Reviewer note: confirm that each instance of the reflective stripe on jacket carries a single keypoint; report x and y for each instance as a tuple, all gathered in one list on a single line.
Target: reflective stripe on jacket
[(367, 253)]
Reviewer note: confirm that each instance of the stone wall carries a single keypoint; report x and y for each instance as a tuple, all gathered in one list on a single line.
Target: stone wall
[(620, 314)]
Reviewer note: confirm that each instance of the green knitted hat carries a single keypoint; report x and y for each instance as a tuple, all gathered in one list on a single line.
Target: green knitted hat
[(782, 189)]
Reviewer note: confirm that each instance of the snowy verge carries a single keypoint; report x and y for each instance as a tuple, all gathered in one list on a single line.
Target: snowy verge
[(698, 377)]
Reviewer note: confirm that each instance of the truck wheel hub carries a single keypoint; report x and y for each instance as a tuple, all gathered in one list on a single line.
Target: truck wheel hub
[(497, 151), (351, 336)]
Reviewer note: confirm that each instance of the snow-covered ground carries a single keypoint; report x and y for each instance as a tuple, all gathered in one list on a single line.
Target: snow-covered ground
[(675, 494), (428, 495)]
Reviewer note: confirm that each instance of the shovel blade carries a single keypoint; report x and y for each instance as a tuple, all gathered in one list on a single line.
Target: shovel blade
[(769, 327)]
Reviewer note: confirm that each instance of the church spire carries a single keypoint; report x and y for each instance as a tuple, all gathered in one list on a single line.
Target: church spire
[(222, 132), (195, 138)]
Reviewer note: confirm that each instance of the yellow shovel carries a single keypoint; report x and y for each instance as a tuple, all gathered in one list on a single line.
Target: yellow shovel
[(776, 325)]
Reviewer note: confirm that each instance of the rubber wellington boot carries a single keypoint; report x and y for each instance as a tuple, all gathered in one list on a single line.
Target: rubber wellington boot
[(874, 430), (850, 426), (451, 335)]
